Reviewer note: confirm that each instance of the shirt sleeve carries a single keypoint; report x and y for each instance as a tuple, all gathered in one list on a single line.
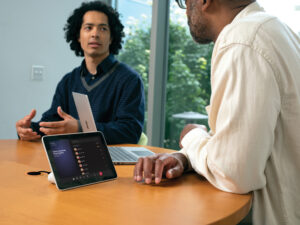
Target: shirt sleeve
[(244, 108)]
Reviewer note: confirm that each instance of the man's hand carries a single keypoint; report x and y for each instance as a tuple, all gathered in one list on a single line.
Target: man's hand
[(187, 129), (67, 125), (23, 128), (169, 165)]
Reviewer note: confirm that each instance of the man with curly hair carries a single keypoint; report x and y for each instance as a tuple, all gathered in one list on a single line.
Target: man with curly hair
[(115, 91)]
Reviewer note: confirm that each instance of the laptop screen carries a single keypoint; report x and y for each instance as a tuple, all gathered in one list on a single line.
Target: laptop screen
[(84, 112), (79, 159)]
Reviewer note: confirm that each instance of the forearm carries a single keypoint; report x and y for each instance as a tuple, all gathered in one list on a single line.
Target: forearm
[(196, 139)]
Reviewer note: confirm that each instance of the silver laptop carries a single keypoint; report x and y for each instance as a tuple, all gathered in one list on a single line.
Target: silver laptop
[(119, 155)]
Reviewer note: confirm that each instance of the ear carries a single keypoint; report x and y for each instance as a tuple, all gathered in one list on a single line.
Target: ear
[(206, 4)]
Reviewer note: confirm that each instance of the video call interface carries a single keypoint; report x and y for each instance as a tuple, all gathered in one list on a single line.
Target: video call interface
[(80, 159)]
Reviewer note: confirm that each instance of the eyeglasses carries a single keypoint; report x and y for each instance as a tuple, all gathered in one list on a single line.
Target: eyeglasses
[(181, 3)]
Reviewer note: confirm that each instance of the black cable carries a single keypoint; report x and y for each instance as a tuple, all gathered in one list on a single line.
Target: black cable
[(34, 173)]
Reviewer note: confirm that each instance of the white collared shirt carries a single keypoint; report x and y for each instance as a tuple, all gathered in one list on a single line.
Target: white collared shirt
[(254, 116)]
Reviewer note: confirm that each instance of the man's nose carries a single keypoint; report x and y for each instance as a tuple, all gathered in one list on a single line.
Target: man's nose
[(95, 32)]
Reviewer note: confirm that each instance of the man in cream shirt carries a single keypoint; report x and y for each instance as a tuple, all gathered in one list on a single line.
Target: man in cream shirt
[(254, 113)]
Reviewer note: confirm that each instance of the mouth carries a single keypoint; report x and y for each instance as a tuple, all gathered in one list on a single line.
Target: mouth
[(94, 44)]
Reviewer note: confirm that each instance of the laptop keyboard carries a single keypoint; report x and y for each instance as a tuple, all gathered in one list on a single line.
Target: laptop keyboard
[(118, 154), (142, 153)]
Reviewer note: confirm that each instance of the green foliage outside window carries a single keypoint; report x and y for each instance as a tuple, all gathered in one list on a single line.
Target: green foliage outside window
[(188, 85)]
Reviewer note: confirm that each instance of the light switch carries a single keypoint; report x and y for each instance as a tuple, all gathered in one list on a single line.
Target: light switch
[(37, 72)]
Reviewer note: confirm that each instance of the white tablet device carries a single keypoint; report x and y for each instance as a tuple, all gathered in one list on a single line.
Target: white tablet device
[(78, 159)]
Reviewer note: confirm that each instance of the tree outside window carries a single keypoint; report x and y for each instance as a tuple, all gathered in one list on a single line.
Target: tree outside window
[(188, 84)]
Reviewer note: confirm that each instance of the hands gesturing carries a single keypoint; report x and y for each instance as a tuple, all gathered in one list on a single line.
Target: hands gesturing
[(68, 125), (23, 128)]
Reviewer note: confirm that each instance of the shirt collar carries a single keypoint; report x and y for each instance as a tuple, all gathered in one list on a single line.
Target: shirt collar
[(247, 10), (253, 7), (102, 68)]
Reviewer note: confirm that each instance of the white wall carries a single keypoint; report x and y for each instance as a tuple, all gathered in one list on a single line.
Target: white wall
[(31, 33)]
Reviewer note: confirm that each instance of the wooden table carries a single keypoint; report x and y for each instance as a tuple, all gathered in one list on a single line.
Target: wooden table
[(32, 200)]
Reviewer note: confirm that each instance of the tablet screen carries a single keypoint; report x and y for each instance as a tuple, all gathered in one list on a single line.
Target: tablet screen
[(79, 159)]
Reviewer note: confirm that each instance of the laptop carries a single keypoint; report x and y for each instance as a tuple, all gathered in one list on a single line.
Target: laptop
[(78, 159), (119, 155)]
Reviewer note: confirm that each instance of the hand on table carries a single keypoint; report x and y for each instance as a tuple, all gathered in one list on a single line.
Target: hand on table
[(168, 165)]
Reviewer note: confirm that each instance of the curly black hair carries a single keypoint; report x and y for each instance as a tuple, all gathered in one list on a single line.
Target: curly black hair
[(74, 22)]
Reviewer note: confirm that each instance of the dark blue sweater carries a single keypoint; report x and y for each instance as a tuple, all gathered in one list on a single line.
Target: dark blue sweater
[(117, 102)]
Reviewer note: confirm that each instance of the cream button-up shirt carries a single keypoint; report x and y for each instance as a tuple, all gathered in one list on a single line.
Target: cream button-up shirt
[(254, 117)]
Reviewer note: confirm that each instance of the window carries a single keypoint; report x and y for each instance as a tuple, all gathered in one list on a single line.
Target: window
[(136, 47), (188, 84)]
